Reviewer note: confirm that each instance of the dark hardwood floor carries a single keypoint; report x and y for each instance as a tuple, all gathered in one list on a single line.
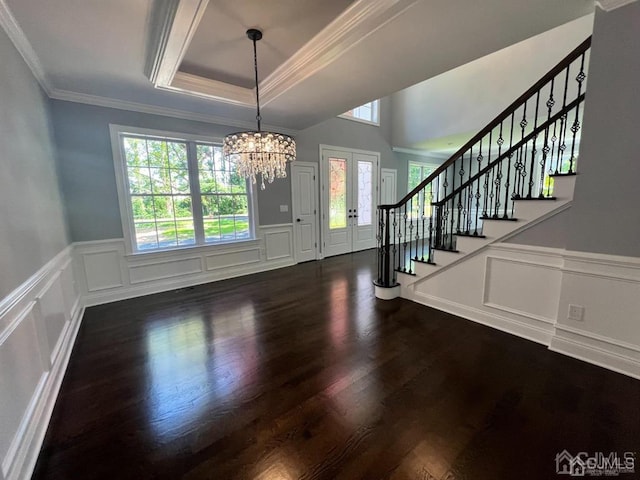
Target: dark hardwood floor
[(300, 373)]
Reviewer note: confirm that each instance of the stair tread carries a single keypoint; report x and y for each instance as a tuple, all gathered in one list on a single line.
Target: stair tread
[(471, 235), (440, 249), (500, 219), (426, 262), (533, 199), (406, 273), (563, 174)]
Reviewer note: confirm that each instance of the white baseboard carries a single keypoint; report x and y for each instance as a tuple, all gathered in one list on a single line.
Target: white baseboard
[(526, 291), (490, 319), (601, 357)]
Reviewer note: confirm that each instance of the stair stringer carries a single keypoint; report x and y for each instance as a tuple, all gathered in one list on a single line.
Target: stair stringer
[(528, 212)]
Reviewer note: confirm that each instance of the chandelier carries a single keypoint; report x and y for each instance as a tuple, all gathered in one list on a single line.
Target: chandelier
[(258, 152)]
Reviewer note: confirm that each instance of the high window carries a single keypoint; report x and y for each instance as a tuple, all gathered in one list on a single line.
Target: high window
[(178, 192), (367, 113)]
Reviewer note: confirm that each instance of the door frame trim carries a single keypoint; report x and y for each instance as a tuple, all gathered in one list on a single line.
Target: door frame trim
[(321, 148), (316, 167)]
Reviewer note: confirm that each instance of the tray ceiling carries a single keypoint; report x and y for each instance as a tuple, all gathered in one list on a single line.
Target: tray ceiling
[(191, 58)]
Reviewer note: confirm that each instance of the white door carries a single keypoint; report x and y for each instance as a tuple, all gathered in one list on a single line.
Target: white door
[(388, 182), (304, 197), (350, 186)]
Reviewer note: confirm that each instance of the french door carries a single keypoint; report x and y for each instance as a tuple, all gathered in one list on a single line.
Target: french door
[(349, 199)]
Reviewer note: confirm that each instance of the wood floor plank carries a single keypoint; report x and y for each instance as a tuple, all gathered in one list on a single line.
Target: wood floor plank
[(300, 373)]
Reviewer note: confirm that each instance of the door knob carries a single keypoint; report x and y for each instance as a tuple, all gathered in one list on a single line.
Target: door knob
[(298, 220)]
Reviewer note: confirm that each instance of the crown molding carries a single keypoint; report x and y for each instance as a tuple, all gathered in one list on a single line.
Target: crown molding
[(178, 22), (19, 39), (608, 5), (212, 89), (355, 24), (95, 100)]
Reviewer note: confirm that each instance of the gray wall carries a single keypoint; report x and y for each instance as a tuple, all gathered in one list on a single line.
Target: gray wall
[(550, 233), (605, 214), (88, 177), (465, 99), (32, 223), (87, 173), (341, 132), (605, 217)]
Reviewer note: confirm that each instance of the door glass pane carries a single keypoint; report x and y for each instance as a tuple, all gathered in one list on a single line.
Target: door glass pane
[(337, 193), (365, 178)]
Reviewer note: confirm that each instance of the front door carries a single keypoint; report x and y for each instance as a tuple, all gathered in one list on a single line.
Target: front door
[(350, 187)]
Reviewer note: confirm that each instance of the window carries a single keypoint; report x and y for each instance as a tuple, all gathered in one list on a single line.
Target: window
[(179, 192), (417, 173), (367, 113)]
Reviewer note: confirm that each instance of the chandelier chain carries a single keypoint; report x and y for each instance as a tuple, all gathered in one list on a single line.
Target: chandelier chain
[(255, 69)]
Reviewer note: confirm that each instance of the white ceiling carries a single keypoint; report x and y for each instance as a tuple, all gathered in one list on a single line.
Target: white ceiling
[(221, 50), (97, 51)]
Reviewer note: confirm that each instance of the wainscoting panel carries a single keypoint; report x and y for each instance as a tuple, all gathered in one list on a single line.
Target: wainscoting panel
[(102, 269), (608, 289), (279, 243), (220, 260), (518, 286), (129, 276), (526, 291), (149, 272), (54, 315), (38, 324)]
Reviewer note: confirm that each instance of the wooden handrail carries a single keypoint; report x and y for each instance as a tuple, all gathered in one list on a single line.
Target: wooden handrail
[(575, 53), (570, 106)]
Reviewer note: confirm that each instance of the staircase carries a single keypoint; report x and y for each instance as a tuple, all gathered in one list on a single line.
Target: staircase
[(516, 172)]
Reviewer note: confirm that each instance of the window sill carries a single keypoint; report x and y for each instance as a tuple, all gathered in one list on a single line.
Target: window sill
[(360, 120), (195, 248)]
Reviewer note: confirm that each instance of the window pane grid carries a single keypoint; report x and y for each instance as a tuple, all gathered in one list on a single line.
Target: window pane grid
[(225, 206), (161, 195)]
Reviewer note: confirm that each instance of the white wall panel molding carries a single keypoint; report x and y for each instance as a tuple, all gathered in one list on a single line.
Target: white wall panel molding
[(527, 291), (278, 242), (508, 284), (507, 323), (38, 324), (106, 273)]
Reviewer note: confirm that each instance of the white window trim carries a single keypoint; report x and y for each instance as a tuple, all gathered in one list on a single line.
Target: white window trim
[(361, 120), (124, 199), (412, 163)]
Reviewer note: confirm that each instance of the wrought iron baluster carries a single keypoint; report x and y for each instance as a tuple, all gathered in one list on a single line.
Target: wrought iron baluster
[(404, 238), (508, 180), (396, 239), (546, 149), (460, 204), (408, 259), (453, 189), (576, 123), (519, 158), (498, 179), (485, 203), (533, 147)]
